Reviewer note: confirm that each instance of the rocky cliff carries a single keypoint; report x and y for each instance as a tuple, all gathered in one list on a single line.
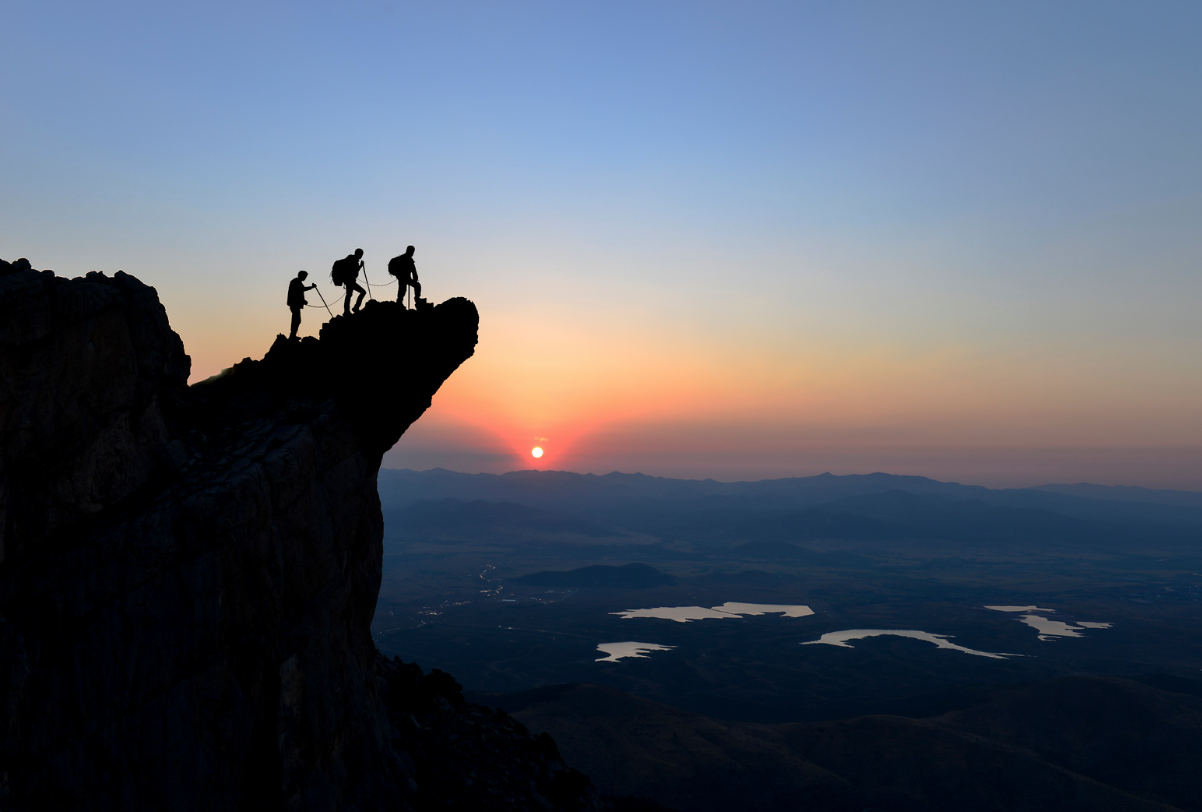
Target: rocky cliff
[(188, 574)]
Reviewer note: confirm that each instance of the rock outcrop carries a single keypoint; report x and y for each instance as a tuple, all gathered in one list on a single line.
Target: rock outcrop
[(188, 574)]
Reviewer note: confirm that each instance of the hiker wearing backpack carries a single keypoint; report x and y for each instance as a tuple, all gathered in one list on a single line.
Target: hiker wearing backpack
[(346, 273), (405, 271), (296, 299)]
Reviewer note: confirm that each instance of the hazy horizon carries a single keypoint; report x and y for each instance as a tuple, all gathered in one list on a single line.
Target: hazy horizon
[(400, 467)]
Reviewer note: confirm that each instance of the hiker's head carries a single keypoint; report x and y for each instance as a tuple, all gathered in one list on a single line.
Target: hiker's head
[(409, 250), (303, 275), (358, 253)]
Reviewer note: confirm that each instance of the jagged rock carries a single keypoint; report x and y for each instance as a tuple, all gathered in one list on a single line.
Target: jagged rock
[(189, 573), (84, 368)]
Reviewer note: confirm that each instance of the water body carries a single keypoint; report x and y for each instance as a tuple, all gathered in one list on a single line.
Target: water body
[(1018, 609), (618, 651), (940, 640), (1050, 629), (765, 609), (683, 614)]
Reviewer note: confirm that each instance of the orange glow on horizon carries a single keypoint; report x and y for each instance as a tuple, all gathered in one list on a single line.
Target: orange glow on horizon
[(661, 396)]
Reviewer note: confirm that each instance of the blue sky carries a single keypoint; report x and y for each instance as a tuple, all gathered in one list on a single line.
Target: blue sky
[(856, 235)]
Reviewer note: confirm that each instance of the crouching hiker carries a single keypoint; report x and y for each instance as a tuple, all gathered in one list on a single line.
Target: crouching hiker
[(296, 299)]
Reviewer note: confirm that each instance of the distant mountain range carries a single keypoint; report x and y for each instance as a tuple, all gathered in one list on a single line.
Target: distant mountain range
[(873, 507)]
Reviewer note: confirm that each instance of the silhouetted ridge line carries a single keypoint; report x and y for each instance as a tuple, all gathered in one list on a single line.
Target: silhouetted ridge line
[(854, 507)]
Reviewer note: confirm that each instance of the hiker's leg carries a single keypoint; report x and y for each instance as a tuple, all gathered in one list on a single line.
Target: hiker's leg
[(400, 292), (346, 300), (359, 301), (417, 290), (295, 321)]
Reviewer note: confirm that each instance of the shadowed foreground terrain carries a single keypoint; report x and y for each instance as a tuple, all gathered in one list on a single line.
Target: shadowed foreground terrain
[(1082, 743), (188, 574)]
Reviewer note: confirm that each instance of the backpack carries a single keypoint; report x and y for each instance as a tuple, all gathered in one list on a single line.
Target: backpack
[(338, 272)]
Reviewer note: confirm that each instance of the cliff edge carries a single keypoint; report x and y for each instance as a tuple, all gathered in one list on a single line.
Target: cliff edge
[(188, 574)]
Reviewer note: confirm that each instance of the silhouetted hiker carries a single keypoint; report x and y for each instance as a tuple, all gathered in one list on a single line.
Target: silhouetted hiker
[(296, 298), (405, 271), (346, 273)]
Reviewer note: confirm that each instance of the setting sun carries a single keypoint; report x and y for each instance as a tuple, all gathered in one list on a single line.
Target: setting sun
[(536, 452)]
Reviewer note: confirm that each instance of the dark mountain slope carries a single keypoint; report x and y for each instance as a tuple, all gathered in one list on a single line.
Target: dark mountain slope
[(683, 760), (917, 764), (1065, 744), (1131, 736)]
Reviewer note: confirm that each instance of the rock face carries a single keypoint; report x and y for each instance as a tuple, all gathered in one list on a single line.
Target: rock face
[(188, 574)]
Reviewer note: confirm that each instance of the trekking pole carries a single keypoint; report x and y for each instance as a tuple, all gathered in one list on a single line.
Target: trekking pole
[(368, 281), (323, 301)]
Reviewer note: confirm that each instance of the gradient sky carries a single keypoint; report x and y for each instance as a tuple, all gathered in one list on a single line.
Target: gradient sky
[(736, 240)]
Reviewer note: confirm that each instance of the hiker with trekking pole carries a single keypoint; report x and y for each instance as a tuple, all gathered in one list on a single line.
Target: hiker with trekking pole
[(345, 273), (296, 299), (405, 271)]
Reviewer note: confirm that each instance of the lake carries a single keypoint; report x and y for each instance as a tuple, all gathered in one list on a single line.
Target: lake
[(619, 651), (1049, 629), (940, 640), (683, 614)]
